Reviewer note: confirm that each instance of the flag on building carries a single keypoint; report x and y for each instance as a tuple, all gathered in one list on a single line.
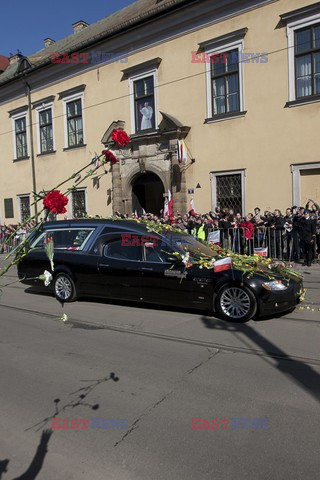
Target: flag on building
[(182, 152), (223, 264), (192, 206), (168, 206)]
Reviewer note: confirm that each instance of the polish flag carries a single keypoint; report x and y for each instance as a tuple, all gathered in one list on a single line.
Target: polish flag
[(224, 264), (262, 252), (192, 206), (168, 206)]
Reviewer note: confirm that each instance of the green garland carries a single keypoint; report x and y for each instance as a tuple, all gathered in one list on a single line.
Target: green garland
[(248, 264)]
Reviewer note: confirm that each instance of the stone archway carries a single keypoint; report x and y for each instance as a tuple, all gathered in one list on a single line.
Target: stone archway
[(147, 193)]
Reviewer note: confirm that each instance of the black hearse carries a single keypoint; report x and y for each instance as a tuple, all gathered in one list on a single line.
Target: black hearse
[(122, 259)]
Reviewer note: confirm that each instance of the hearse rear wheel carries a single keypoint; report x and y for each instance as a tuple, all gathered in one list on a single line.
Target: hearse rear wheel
[(64, 288), (236, 303)]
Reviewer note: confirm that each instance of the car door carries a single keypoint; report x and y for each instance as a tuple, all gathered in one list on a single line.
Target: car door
[(165, 281), (119, 270)]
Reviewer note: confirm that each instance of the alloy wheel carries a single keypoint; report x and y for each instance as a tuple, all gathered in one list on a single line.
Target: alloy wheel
[(235, 302), (63, 288)]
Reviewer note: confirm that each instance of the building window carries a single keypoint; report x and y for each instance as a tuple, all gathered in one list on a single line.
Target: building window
[(224, 73), (228, 190), (74, 123), (8, 208), (303, 34), (79, 208), (21, 137), (307, 61), (24, 206), (46, 130), (225, 82), (143, 102)]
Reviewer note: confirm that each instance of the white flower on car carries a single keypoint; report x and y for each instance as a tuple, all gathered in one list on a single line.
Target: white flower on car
[(185, 258), (46, 277)]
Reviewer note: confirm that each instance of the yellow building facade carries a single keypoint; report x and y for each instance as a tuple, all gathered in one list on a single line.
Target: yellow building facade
[(234, 85)]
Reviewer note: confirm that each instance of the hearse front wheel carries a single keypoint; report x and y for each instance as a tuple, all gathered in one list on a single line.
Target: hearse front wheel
[(64, 288), (236, 303)]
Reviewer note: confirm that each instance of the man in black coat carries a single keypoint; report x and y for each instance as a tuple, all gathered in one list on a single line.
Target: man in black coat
[(308, 237)]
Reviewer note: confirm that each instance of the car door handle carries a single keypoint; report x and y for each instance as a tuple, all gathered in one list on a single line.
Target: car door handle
[(146, 269)]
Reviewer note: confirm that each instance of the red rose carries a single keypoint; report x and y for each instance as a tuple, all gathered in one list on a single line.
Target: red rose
[(55, 202), (109, 156), (120, 137)]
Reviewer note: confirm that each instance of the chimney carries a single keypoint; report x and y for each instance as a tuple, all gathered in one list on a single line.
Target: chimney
[(15, 58), (48, 42), (80, 25)]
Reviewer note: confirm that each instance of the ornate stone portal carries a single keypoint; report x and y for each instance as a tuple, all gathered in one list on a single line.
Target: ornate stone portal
[(149, 152)]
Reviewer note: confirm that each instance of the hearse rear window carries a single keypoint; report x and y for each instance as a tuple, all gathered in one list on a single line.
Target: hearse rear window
[(65, 238)]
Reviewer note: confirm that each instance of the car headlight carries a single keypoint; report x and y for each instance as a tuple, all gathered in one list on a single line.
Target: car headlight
[(274, 285)]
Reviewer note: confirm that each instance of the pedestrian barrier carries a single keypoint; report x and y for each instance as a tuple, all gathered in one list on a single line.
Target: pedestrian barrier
[(8, 244), (277, 244)]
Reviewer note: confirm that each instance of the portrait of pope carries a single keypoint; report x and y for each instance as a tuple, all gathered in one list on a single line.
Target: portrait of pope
[(147, 113)]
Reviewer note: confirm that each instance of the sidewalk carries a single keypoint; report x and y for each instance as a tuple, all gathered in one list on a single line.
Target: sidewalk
[(311, 281)]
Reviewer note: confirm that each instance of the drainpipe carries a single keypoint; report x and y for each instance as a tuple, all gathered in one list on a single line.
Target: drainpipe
[(34, 184)]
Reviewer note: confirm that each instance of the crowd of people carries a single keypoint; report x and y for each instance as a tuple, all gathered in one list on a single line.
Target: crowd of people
[(293, 236)]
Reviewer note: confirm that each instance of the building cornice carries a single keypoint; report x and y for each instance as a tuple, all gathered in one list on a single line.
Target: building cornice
[(43, 101), (17, 111), (295, 15), (141, 67), (222, 39), (71, 91)]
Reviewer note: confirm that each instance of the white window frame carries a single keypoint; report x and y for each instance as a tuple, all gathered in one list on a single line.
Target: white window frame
[(291, 29), (19, 204), (296, 179), (70, 204), (213, 179), (44, 106), (18, 117), (150, 73), (72, 98), (239, 45)]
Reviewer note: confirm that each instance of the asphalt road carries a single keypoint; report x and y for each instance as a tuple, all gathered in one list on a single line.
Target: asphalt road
[(155, 370)]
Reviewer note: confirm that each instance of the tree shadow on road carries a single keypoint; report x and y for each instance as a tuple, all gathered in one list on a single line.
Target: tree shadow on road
[(296, 368), (37, 462), (80, 400)]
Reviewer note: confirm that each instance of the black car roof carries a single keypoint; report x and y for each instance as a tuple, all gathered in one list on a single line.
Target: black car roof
[(125, 225)]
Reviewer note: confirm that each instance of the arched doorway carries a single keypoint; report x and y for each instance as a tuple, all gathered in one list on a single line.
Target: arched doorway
[(147, 194)]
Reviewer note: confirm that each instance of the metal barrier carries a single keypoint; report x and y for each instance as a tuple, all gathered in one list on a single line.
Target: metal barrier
[(7, 245), (278, 244)]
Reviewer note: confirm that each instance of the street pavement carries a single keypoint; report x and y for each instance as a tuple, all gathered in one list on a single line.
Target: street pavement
[(156, 369)]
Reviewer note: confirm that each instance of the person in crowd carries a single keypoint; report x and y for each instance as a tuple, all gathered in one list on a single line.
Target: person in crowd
[(224, 226), (308, 236), (288, 226), (296, 233), (247, 245)]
